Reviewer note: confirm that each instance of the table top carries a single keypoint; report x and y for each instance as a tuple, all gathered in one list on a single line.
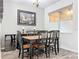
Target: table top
[(34, 37)]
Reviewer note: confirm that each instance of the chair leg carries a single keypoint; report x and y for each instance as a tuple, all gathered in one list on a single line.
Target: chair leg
[(46, 51), (55, 49), (49, 51), (23, 54), (19, 53), (58, 45), (38, 54)]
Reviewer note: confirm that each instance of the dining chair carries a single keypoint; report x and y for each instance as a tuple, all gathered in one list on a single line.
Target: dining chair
[(42, 42), (22, 46), (52, 36)]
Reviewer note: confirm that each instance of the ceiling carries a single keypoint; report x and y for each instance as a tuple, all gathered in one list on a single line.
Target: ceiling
[(43, 3)]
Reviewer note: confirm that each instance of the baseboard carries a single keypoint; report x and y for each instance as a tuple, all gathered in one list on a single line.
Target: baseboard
[(2, 48), (69, 49)]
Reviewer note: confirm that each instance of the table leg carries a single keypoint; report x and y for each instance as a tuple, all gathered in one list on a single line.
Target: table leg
[(30, 50), (14, 39), (11, 40), (5, 42)]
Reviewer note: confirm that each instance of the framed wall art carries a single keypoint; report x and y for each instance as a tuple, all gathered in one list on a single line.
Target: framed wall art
[(26, 18)]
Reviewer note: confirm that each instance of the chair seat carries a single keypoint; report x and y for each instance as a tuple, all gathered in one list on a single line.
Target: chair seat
[(38, 46), (26, 46)]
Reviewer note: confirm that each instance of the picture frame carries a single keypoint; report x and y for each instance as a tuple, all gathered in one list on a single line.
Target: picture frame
[(26, 18)]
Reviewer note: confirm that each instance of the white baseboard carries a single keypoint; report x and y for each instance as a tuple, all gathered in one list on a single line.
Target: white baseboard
[(2, 48), (69, 49)]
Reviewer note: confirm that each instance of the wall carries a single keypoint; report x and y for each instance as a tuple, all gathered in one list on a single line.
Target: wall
[(9, 23), (67, 40)]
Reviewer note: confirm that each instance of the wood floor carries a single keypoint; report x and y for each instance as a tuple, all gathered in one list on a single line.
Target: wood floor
[(12, 53), (64, 54)]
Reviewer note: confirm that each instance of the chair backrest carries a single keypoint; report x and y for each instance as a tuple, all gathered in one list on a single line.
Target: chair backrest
[(32, 32), (43, 34), (19, 39), (53, 35)]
